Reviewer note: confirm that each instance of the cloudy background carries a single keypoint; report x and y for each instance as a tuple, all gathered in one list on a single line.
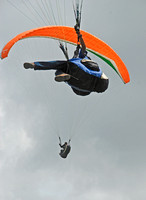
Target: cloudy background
[(108, 156)]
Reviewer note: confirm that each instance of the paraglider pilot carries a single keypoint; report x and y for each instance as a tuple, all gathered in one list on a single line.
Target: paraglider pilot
[(81, 73), (65, 149)]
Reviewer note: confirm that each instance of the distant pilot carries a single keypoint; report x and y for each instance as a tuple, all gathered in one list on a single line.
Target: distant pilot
[(65, 149)]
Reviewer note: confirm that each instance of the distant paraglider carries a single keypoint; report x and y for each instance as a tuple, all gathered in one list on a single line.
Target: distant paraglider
[(65, 148)]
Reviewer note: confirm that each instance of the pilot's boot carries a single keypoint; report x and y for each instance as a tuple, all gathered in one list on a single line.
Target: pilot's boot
[(62, 77), (29, 65)]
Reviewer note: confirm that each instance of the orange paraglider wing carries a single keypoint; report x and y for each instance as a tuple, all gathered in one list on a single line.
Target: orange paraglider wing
[(68, 34)]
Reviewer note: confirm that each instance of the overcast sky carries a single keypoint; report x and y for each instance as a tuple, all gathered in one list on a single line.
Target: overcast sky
[(108, 131)]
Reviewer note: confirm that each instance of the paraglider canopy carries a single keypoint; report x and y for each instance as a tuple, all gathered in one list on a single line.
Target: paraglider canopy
[(67, 34)]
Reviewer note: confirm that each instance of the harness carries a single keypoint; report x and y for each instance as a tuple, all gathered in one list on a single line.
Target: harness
[(77, 61)]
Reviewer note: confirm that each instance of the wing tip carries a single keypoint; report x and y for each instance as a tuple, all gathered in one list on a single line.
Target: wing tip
[(1, 56), (126, 80)]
